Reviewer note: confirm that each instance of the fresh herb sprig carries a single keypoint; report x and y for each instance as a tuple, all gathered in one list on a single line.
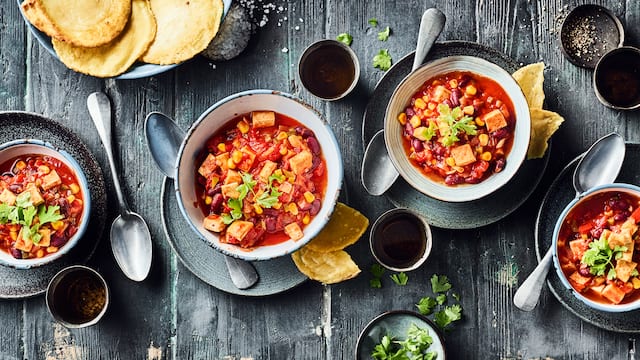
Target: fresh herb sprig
[(267, 199), (415, 346), (345, 38), (400, 278), (457, 123), (382, 60), (599, 257), (29, 216), (384, 34), (376, 271), (446, 314)]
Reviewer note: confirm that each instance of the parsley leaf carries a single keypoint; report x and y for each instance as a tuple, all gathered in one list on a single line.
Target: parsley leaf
[(377, 270), (23, 200), (441, 299), (384, 34), (268, 199), (382, 60), (345, 38), (400, 278), (49, 214), (426, 305), (457, 123), (5, 210), (373, 22), (440, 284), (418, 340), (444, 318), (375, 283), (599, 255), (385, 351)]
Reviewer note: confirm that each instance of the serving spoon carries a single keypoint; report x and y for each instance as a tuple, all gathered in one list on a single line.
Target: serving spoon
[(378, 173), (599, 165), (164, 138), (130, 237)]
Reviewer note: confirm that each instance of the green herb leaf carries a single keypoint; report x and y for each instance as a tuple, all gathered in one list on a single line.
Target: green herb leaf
[(375, 283), (345, 38), (5, 211), (418, 340), (400, 278), (450, 314), (441, 299), (599, 255), (426, 305), (373, 22), (227, 218), (23, 200), (457, 122), (268, 199), (377, 270), (384, 34), (440, 284), (49, 214), (382, 60)]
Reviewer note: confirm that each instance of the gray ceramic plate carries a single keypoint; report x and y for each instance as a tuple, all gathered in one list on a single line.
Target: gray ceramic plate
[(396, 323), (205, 262), (464, 215), (22, 125), (560, 194)]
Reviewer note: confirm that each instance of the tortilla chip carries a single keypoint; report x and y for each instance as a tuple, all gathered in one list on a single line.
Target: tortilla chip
[(543, 124), (530, 78), (185, 28), (87, 23), (344, 228), (116, 57), (328, 268)]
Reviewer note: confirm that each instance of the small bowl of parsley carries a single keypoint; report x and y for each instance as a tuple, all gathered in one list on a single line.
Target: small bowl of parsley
[(400, 334)]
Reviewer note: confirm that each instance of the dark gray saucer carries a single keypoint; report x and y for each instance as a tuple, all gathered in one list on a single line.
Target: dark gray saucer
[(463, 215), (560, 193), (16, 283)]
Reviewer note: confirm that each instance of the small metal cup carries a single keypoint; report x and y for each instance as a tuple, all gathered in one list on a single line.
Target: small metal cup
[(77, 296), (329, 69), (390, 241), (616, 78)]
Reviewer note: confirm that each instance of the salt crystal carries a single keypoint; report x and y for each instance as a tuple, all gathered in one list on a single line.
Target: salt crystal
[(297, 28), (285, 50)]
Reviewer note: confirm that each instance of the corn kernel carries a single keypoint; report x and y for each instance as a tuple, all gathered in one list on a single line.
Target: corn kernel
[(21, 165), (402, 118), (243, 126), (57, 225), (484, 139), (479, 122), (70, 198), (44, 169), (469, 110), (276, 206), (584, 236), (292, 208), (236, 156), (283, 151), (415, 121), (231, 164), (214, 181), (420, 104), (307, 219), (309, 197), (14, 235), (459, 169), (636, 283), (432, 105), (208, 200), (470, 90), (453, 83), (74, 188), (52, 249), (222, 147), (450, 161), (258, 209), (486, 156), (40, 253)]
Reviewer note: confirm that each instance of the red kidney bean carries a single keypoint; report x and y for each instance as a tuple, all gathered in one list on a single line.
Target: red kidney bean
[(64, 206), (16, 253), (315, 207), (409, 111), (584, 271), (455, 97), (304, 132), (71, 230), (313, 144), (621, 216), (408, 129), (216, 202), (453, 179), (417, 145), (471, 180), (57, 240), (15, 188), (447, 102), (596, 232), (500, 163), (304, 205), (270, 224), (270, 212), (618, 204), (500, 133)]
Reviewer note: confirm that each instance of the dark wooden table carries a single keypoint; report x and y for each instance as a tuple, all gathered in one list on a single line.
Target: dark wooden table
[(174, 315)]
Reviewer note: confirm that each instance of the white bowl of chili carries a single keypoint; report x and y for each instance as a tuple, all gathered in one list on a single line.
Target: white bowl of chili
[(258, 174), (457, 128), (45, 203), (595, 253)]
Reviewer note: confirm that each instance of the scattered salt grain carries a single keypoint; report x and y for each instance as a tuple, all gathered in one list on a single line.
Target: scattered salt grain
[(297, 28), (285, 50)]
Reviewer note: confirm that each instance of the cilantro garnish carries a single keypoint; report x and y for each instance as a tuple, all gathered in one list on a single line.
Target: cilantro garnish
[(400, 278), (599, 255), (446, 314), (373, 22), (449, 314), (377, 271), (458, 123), (345, 38), (426, 305), (384, 34), (382, 60), (267, 199), (441, 299), (440, 284), (415, 346), (30, 217)]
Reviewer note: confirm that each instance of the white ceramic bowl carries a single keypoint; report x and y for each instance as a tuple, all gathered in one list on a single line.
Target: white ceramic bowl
[(393, 129), (217, 116), (617, 187), (30, 146)]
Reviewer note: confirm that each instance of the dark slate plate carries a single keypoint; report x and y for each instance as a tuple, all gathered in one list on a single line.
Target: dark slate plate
[(560, 194), (16, 283), (464, 215), (208, 264)]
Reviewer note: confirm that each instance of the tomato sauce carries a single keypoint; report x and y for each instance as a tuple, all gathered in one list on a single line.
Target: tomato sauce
[(261, 180)]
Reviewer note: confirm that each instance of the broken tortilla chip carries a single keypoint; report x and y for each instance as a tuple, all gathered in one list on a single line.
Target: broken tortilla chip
[(344, 228), (543, 124), (185, 28), (116, 57), (327, 268), (530, 78)]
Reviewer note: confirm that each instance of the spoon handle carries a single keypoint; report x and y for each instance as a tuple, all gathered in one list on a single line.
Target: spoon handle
[(100, 111), (431, 26), (526, 297)]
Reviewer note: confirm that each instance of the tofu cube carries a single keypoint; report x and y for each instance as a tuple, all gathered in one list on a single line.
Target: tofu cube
[(232, 177), (294, 231), (35, 196), (624, 269), (301, 162), (494, 120), (578, 247), (230, 191), (267, 169), (214, 223), (613, 293), (249, 156), (22, 244), (208, 166), (238, 230), (578, 281), (285, 187), (463, 155), (222, 160), (50, 180), (45, 240), (8, 197), (263, 119), (440, 93)]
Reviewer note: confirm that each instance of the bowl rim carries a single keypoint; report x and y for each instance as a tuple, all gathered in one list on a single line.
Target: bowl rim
[(554, 245), (71, 162), (330, 199), (516, 155)]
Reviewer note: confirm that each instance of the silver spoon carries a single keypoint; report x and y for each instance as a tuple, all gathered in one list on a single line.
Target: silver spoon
[(600, 165), (378, 173), (130, 237), (164, 138)]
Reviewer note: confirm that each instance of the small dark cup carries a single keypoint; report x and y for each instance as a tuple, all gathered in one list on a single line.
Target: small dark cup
[(77, 296), (616, 78)]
